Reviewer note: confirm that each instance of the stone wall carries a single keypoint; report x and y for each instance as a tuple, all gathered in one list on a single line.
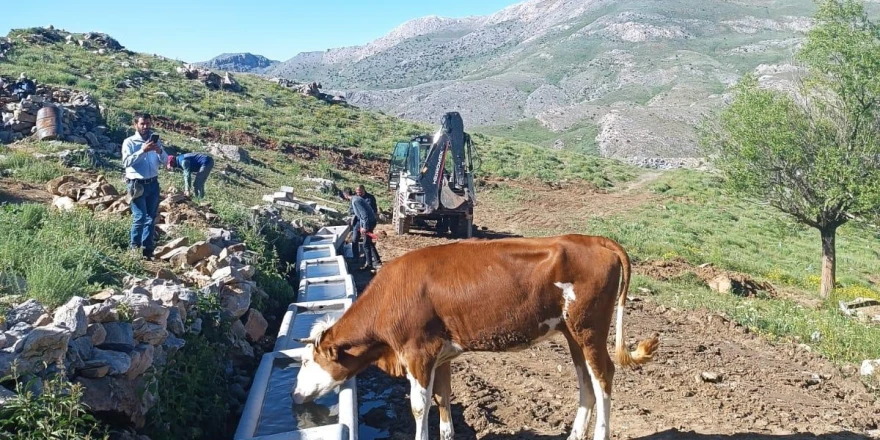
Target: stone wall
[(108, 341), (82, 122)]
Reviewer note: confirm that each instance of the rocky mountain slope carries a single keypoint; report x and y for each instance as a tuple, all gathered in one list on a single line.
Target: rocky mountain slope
[(239, 62), (639, 74)]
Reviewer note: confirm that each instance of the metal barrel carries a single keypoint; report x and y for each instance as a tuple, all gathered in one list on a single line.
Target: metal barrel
[(49, 123)]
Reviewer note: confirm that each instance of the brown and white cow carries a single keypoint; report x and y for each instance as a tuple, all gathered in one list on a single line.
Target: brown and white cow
[(428, 306)]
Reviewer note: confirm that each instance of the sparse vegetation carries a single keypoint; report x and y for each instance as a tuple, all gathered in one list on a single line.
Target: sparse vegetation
[(56, 413)]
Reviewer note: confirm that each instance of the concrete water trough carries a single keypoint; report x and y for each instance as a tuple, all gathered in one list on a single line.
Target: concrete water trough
[(322, 267), (312, 251), (270, 413), (298, 321), (331, 239), (318, 291)]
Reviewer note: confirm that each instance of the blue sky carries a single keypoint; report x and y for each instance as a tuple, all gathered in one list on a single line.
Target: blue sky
[(196, 30)]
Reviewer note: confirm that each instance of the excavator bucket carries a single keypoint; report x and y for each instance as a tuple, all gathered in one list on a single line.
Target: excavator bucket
[(435, 183)]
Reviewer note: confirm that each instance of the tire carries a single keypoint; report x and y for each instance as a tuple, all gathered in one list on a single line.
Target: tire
[(400, 222)]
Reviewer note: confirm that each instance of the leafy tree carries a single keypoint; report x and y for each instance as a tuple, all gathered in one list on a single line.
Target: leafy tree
[(813, 153)]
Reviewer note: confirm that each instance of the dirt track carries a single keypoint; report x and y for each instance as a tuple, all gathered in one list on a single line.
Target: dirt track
[(766, 391)]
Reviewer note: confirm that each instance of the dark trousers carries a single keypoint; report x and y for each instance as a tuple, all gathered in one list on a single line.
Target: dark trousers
[(355, 239), (201, 178), (371, 255), (144, 211)]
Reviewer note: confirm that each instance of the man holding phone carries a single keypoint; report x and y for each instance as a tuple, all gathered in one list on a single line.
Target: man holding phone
[(142, 157)]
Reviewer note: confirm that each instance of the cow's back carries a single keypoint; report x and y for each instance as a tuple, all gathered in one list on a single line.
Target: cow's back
[(490, 295)]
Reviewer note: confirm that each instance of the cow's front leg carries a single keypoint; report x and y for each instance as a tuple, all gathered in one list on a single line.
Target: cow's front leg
[(421, 380)]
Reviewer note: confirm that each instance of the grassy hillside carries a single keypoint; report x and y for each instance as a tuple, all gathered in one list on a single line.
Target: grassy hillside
[(265, 114)]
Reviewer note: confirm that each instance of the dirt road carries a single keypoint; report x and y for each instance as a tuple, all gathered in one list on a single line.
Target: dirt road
[(762, 391)]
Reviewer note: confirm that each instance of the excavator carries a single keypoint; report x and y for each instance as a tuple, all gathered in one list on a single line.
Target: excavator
[(432, 177)]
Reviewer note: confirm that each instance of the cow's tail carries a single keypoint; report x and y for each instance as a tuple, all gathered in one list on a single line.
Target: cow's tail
[(644, 353)]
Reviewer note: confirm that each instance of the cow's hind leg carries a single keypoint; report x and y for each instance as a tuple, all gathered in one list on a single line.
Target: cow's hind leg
[(601, 370), (585, 387), (420, 373), (443, 394)]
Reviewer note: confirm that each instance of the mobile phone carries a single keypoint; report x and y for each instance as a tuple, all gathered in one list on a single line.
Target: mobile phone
[(154, 137)]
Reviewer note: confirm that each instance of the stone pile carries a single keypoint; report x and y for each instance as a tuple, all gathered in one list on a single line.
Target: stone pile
[(210, 79), (81, 118), (95, 41), (285, 199), (108, 341), (97, 194), (310, 89)]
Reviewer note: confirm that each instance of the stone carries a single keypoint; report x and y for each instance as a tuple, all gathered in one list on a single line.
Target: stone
[(172, 344), (72, 316), (147, 332), (230, 152), (118, 361), (198, 252), (53, 185), (143, 307), (82, 347), (6, 395), (64, 203), (171, 245), (711, 377), (45, 344), (44, 320), (97, 333), (95, 372), (167, 295), (255, 325), (119, 337), (27, 312), (102, 312), (235, 302), (165, 274), (175, 322), (104, 295), (721, 284), (118, 395), (238, 331), (141, 360), (870, 367)]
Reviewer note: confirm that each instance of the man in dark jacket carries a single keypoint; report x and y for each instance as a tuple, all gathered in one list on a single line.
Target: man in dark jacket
[(366, 223), (199, 164)]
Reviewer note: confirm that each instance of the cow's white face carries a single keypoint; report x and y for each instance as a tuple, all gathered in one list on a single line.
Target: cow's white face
[(314, 379)]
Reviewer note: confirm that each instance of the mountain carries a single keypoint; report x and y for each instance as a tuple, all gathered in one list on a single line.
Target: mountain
[(239, 62), (627, 79)]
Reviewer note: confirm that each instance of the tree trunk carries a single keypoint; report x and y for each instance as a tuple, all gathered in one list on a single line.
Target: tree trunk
[(829, 261)]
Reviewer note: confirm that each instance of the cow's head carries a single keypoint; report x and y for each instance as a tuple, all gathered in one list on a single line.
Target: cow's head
[(321, 370)]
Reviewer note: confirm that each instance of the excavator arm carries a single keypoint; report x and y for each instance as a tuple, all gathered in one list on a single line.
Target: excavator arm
[(437, 183)]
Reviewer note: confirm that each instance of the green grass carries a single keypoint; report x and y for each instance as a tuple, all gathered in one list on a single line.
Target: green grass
[(580, 139), (63, 254), (695, 221), (842, 339), (25, 167)]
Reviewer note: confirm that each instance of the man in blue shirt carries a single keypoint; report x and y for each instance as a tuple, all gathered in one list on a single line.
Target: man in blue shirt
[(199, 163), (142, 158)]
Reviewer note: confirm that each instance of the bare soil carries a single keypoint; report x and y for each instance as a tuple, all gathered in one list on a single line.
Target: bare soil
[(14, 192), (765, 390)]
